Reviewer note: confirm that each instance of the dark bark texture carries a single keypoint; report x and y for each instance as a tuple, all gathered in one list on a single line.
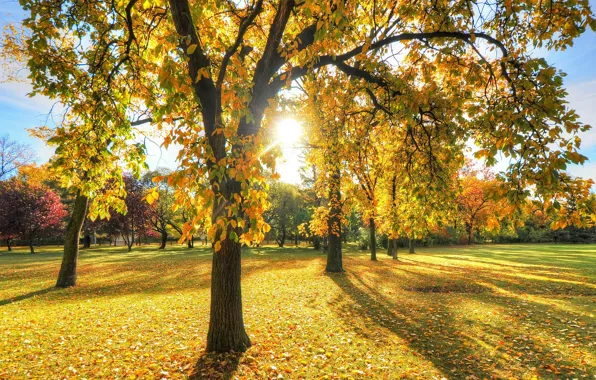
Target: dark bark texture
[(68, 270), (392, 248), (334, 251), (164, 240), (373, 239)]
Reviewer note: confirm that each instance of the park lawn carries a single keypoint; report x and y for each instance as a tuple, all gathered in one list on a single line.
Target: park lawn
[(493, 311)]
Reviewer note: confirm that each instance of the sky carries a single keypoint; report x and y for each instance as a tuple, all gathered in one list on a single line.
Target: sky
[(18, 112)]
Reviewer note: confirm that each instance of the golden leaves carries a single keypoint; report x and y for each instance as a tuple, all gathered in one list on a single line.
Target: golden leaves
[(190, 50), (149, 317)]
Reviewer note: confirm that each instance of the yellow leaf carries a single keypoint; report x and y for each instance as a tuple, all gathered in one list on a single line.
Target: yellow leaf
[(191, 49), (217, 246)]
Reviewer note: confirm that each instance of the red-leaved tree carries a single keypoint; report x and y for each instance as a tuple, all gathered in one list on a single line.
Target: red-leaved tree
[(29, 212)]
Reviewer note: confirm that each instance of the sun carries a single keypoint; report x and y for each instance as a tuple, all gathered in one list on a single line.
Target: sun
[(289, 132)]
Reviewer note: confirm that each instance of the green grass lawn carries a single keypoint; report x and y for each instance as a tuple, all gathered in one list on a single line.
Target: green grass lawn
[(494, 311)]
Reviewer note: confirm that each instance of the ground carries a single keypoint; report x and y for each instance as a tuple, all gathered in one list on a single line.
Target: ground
[(492, 311)]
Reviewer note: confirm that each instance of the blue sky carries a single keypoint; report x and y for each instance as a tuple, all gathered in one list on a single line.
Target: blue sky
[(18, 112)]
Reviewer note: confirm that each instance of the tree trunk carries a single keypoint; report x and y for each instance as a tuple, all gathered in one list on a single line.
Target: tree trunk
[(226, 324), (282, 240), (31, 246), (87, 241), (164, 239), (373, 239), (68, 270), (10, 247), (334, 253), (296, 238), (191, 242), (469, 234), (411, 243), (393, 245), (316, 243)]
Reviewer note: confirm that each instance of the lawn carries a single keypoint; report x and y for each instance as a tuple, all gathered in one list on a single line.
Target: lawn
[(494, 311)]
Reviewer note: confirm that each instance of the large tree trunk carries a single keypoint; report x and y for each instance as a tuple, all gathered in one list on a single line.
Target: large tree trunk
[(164, 239), (68, 270), (226, 324), (411, 243), (373, 239), (334, 253)]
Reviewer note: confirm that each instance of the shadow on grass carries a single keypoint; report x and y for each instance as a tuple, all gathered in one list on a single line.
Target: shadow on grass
[(216, 366), (429, 318), (27, 296), (433, 338)]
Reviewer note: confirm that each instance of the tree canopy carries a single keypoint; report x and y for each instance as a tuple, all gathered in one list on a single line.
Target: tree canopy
[(208, 75)]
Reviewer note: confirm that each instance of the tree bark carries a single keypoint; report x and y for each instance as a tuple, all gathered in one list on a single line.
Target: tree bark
[(411, 243), (226, 323), (68, 270), (392, 248), (87, 241), (8, 245), (164, 240), (469, 234), (316, 243), (31, 246), (373, 239), (334, 251), (282, 240)]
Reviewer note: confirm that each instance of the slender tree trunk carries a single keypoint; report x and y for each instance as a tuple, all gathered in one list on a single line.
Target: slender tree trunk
[(316, 243), (10, 247), (469, 234), (296, 238), (31, 246), (87, 241), (68, 270), (393, 244), (373, 239), (164, 239), (411, 243), (191, 242), (282, 240), (334, 251)]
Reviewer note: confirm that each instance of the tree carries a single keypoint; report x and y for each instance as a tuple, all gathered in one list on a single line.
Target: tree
[(475, 202), (282, 215), (136, 221), (229, 60), (13, 155), (163, 215), (29, 212)]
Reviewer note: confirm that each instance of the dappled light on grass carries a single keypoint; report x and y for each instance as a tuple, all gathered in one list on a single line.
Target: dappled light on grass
[(479, 312)]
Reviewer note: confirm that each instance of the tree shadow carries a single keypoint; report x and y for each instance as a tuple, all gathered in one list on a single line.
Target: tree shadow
[(216, 366), (425, 334), (540, 334), (27, 296)]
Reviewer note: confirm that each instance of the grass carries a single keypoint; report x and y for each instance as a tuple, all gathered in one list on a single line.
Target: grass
[(496, 311)]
